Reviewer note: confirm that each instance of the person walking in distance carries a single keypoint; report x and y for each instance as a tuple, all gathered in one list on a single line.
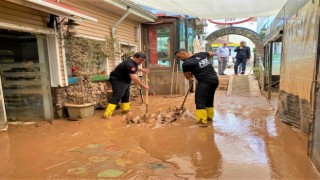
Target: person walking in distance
[(121, 78), (200, 66), (223, 56), (243, 55)]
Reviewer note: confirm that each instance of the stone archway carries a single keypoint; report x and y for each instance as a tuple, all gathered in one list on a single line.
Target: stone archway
[(253, 36)]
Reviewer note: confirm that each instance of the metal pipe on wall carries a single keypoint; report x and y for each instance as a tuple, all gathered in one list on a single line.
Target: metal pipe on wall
[(114, 27), (270, 71)]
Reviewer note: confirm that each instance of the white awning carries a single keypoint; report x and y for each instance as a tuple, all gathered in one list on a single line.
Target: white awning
[(63, 9), (217, 9)]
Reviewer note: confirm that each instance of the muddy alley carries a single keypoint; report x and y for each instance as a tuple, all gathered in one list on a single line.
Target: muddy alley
[(245, 141)]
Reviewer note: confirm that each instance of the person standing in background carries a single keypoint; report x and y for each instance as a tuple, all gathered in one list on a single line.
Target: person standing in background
[(223, 56), (243, 55)]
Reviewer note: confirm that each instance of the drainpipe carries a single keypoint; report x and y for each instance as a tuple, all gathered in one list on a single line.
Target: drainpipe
[(114, 28)]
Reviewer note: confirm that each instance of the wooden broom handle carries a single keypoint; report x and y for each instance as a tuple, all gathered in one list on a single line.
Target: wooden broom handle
[(147, 94)]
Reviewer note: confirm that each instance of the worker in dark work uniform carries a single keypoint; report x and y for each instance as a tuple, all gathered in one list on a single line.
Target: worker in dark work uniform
[(200, 66), (121, 78)]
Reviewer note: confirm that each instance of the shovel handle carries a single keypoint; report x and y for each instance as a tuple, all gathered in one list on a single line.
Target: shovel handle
[(185, 98), (147, 95)]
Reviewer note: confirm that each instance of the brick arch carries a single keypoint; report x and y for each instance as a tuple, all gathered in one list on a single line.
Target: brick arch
[(253, 36)]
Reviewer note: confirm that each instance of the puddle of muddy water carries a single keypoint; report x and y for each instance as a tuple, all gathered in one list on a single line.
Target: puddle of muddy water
[(244, 141)]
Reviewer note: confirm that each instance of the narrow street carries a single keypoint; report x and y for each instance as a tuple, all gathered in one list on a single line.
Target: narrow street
[(105, 89), (245, 141)]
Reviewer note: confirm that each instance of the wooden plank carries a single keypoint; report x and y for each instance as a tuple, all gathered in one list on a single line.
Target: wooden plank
[(27, 83), (7, 24), (106, 20), (25, 74), (92, 11), (25, 91), (16, 19), (19, 7), (24, 108), (20, 14), (24, 65), (90, 34), (123, 27)]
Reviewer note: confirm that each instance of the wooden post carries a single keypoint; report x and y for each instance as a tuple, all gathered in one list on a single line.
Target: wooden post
[(177, 81), (172, 77), (147, 95)]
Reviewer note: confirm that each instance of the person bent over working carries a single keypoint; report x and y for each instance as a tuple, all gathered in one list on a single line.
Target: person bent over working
[(200, 66), (121, 78)]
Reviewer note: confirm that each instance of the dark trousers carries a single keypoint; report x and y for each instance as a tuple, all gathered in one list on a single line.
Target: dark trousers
[(205, 91), (120, 92), (243, 63)]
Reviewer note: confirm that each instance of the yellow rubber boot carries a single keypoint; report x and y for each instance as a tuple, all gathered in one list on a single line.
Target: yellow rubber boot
[(125, 107), (201, 117), (109, 110), (210, 113)]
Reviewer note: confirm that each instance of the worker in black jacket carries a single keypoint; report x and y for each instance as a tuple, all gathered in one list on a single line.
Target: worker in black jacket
[(243, 55), (200, 66), (121, 78)]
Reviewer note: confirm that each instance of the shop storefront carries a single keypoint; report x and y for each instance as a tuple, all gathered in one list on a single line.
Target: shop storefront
[(296, 31), (25, 76), (160, 41), (31, 58)]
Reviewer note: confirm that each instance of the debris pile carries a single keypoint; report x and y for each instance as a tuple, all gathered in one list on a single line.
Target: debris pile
[(169, 116)]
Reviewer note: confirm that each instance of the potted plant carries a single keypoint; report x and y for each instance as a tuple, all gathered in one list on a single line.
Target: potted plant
[(84, 54)]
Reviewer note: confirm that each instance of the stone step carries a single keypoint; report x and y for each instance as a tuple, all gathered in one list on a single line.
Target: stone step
[(223, 83), (225, 88)]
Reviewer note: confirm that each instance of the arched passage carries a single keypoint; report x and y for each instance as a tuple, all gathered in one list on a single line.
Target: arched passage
[(253, 36)]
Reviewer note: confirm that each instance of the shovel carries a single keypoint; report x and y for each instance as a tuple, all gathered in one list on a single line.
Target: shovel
[(140, 91), (141, 95), (185, 98)]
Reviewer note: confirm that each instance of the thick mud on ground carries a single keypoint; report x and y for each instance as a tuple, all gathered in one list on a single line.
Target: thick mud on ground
[(244, 141)]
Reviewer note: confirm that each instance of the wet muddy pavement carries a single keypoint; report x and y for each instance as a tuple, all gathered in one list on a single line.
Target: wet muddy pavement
[(244, 141)]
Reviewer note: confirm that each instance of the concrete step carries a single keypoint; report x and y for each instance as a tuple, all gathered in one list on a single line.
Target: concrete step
[(224, 88), (223, 83)]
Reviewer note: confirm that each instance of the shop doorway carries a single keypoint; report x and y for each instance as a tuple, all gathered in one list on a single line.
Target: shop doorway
[(160, 46), (272, 66), (314, 138), (25, 76)]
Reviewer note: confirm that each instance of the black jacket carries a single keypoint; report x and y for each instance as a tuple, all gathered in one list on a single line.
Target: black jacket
[(243, 53)]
